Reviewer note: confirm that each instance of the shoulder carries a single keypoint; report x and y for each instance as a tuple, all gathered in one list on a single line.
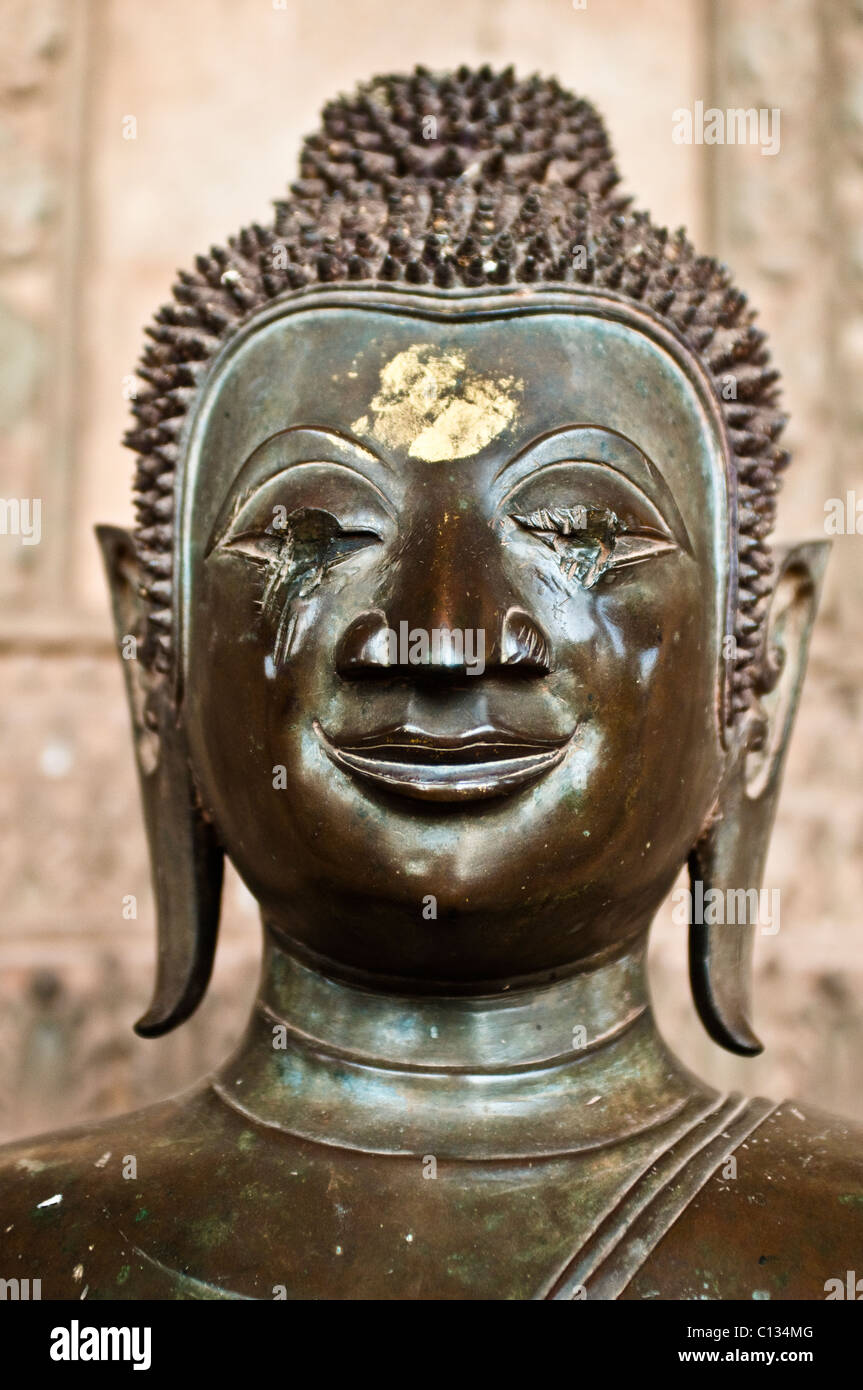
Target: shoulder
[(88, 1156), (73, 1204), (781, 1217)]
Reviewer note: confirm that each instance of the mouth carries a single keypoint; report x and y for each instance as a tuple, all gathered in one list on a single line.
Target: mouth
[(473, 766)]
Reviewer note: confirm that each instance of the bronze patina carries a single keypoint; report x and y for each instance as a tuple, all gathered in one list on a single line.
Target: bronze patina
[(461, 635)]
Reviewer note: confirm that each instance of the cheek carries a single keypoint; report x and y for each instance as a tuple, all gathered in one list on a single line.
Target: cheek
[(657, 658), (229, 695), (640, 664), (248, 718)]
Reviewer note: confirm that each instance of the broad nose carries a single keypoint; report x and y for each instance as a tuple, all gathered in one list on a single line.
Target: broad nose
[(446, 609)]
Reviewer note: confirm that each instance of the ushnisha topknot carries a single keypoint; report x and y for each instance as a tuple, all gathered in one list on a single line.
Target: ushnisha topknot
[(465, 179)]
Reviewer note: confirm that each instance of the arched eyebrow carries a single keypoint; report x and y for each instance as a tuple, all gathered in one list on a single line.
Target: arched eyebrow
[(325, 446), (327, 436), (606, 448)]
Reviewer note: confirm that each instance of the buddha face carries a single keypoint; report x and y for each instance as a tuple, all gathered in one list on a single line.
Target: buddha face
[(455, 580)]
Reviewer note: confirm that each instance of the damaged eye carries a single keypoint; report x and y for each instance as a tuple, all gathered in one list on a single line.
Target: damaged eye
[(296, 550), (590, 541), (308, 536)]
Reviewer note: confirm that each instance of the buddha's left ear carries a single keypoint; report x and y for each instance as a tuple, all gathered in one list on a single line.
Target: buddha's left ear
[(730, 858), (185, 859)]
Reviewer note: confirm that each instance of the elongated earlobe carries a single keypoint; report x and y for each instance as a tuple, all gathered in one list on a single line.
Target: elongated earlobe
[(731, 856), (185, 859)]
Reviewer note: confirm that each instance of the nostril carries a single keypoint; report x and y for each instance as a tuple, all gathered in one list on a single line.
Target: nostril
[(369, 647), (523, 643), (364, 645)]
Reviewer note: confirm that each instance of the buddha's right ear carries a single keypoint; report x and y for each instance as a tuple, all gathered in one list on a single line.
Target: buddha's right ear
[(185, 859)]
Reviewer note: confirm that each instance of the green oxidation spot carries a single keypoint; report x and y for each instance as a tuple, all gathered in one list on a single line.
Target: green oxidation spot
[(142, 1214), (215, 1231), (123, 1275), (495, 1219), (246, 1141), (49, 1214), (851, 1199), (761, 1295)]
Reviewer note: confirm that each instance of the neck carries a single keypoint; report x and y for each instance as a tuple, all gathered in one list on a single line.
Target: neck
[(561, 1068)]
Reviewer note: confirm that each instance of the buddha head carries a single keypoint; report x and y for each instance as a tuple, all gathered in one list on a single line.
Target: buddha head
[(459, 631)]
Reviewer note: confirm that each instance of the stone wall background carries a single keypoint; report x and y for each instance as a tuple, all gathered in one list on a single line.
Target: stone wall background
[(92, 227)]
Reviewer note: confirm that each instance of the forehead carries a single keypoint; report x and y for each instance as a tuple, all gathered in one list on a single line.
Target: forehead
[(388, 375), (466, 387), (453, 392)]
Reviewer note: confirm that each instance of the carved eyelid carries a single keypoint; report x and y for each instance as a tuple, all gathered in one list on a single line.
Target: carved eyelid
[(603, 537), (571, 519), (667, 512), (629, 483), (235, 540), (225, 530)]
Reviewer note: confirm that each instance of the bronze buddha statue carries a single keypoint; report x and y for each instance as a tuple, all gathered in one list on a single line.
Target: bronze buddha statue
[(460, 634)]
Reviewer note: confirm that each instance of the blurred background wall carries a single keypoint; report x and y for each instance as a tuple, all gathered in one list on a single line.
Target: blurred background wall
[(92, 227)]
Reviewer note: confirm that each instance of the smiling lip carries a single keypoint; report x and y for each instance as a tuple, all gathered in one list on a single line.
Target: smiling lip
[(468, 767)]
